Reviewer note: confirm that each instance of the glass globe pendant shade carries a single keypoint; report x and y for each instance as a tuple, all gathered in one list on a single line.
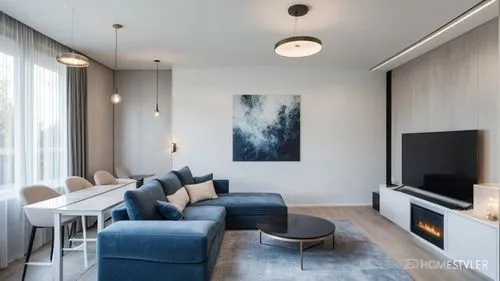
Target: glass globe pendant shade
[(157, 110), (116, 98)]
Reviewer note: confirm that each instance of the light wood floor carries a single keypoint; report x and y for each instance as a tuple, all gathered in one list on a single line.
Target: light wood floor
[(395, 242)]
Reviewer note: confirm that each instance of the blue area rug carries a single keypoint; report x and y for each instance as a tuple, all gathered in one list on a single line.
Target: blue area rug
[(354, 258)]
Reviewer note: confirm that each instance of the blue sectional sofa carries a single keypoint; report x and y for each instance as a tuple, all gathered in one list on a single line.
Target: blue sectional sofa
[(140, 245)]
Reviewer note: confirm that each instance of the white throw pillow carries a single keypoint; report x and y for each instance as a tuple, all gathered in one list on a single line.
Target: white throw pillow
[(201, 191), (179, 199)]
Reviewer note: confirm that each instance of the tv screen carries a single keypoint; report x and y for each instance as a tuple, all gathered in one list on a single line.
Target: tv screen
[(445, 163)]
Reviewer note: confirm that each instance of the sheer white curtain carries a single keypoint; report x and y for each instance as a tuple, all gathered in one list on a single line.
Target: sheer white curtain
[(33, 127)]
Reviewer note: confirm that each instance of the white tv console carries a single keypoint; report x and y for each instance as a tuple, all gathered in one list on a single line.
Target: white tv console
[(466, 237)]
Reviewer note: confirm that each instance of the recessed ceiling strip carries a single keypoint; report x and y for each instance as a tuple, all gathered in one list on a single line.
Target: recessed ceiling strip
[(467, 14)]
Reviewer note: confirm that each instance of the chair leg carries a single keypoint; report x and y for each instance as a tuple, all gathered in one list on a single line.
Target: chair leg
[(30, 247), (62, 240), (72, 232), (69, 228), (52, 245)]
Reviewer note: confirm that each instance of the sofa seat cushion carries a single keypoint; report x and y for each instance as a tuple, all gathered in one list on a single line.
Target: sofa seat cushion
[(248, 203), (205, 213), (158, 241)]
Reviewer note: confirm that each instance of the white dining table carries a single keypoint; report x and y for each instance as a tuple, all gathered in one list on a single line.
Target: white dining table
[(94, 201)]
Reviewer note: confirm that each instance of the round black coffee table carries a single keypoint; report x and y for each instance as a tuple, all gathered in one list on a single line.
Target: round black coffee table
[(298, 229)]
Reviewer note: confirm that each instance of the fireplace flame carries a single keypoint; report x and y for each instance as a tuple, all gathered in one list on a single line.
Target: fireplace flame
[(429, 228)]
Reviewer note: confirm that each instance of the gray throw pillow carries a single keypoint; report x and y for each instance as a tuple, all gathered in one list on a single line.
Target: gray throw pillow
[(204, 178), (170, 183), (185, 176)]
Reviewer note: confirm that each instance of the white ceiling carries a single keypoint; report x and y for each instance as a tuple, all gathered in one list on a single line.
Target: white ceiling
[(356, 34)]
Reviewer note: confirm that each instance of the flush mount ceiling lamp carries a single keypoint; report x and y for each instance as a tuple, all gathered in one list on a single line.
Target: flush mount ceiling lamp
[(116, 98), (72, 59), (157, 110), (298, 46)]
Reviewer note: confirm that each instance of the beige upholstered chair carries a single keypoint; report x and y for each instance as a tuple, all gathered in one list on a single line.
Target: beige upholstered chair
[(104, 178), (33, 194), (73, 184), (122, 173), (36, 193)]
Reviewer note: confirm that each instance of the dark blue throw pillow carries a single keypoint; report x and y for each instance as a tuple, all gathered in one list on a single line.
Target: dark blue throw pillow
[(168, 211)]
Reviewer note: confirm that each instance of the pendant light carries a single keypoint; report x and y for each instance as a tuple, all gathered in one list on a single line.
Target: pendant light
[(298, 46), (116, 98), (72, 59), (157, 110)]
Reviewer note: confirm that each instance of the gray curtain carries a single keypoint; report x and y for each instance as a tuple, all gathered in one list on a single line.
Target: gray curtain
[(77, 121)]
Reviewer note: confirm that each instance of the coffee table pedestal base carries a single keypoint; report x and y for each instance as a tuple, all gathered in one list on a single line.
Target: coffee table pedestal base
[(316, 241)]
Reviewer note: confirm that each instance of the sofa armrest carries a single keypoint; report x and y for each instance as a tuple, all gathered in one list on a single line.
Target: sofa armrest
[(221, 186), (157, 241)]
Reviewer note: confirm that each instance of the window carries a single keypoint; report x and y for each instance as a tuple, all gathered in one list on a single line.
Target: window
[(49, 130), (33, 126), (33, 122), (6, 120)]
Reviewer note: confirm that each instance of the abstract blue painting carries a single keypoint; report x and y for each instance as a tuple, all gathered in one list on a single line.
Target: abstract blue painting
[(266, 128)]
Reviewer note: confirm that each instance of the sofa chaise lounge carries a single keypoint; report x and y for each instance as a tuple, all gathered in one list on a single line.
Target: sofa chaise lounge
[(140, 245)]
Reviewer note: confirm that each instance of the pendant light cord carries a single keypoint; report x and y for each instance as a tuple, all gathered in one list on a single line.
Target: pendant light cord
[(116, 59), (157, 63), (72, 29), (295, 24)]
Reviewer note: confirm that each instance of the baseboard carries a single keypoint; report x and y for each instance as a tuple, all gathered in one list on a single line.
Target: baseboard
[(327, 205)]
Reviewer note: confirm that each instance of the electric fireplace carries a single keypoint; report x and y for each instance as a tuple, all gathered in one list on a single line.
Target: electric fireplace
[(427, 224)]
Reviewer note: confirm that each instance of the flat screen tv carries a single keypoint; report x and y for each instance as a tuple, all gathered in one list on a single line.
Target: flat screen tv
[(445, 163)]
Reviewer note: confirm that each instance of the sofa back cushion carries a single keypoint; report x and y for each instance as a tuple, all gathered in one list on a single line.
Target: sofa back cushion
[(170, 183), (184, 174), (141, 203)]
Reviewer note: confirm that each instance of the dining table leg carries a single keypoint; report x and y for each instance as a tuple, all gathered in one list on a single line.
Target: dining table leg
[(84, 236), (57, 259), (100, 222)]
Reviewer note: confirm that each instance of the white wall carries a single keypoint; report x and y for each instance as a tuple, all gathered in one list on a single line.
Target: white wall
[(453, 87), (141, 139), (99, 118), (342, 131)]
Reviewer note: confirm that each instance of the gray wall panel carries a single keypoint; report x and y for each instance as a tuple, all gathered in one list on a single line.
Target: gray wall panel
[(453, 87)]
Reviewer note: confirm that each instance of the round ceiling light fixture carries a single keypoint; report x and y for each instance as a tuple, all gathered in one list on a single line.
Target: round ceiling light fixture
[(298, 46), (72, 59)]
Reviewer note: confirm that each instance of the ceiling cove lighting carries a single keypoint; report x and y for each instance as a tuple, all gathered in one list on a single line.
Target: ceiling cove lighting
[(298, 46), (479, 7), (157, 110), (72, 59), (116, 98)]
